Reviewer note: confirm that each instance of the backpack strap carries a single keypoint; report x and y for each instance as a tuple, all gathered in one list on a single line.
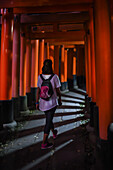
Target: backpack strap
[(51, 77), (42, 77), (48, 78)]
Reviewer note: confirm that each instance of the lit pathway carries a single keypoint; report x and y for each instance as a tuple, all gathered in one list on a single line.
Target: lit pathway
[(68, 152)]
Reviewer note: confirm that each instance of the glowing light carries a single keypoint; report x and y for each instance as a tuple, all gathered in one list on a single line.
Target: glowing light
[(74, 49)]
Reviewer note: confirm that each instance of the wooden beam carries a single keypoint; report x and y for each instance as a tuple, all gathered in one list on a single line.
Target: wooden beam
[(53, 9), (69, 46), (55, 18), (57, 27), (74, 46), (71, 27), (80, 46), (35, 3), (72, 35), (40, 28), (66, 43)]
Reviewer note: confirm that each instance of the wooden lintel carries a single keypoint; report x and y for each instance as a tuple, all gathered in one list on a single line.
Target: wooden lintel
[(53, 9), (66, 42), (55, 18), (71, 27), (72, 35), (39, 3), (79, 46), (58, 27), (69, 46)]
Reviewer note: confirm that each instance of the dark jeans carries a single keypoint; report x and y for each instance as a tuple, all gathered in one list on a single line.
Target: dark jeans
[(49, 120)]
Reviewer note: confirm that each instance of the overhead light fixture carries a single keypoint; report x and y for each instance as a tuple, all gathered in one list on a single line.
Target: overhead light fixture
[(42, 31)]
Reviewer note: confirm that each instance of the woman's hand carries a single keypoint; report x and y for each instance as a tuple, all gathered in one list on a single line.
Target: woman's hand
[(37, 106), (59, 102), (37, 98)]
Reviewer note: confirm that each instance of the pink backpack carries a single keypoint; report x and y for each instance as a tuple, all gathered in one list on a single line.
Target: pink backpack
[(46, 88)]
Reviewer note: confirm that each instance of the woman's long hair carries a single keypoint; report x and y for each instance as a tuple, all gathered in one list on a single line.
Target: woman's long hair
[(47, 67)]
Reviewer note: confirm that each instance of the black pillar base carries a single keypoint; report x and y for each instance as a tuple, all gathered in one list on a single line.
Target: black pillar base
[(96, 120), (86, 97), (66, 85), (81, 82), (6, 111), (70, 83), (23, 103), (110, 146), (63, 87), (1, 116), (33, 94), (88, 100), (16, 107), (29, 99), (102, 146), (92, 104), (75, 81)]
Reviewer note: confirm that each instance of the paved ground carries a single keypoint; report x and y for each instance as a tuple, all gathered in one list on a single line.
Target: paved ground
[(74, 148)]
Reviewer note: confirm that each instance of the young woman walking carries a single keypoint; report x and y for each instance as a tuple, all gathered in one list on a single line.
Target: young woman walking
[(46, 99)]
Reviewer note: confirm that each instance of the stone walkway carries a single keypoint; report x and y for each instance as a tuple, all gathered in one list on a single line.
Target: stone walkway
[(72, 150)]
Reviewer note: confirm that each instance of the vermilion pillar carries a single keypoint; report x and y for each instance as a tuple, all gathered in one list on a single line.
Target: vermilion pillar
[(34, 69), (16, 64), (103, 66), (51, 54), (62, 68), (28, 66), (28, 71), (110, 128), (56, 59), (6, 68), (74, 68), (74, 65), (41, 56), (111, 10), (86, 65), (6, 59), (1, 32), (70, 68), (16, 57), (1, 44), (65, 69), (89, 65), (93, 79), (23, 97), (80, 67), (46, 51), (1, 54)]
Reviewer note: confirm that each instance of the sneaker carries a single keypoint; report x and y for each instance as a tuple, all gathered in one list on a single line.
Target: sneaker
[(55, 134), (46, 145)]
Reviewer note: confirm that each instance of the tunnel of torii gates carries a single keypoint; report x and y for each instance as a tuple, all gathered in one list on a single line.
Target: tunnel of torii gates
[(76, 35)]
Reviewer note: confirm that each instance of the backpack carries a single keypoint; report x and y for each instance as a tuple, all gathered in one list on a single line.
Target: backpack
[(46, 88)]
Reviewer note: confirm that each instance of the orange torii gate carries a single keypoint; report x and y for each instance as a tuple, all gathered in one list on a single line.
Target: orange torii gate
[(98, 52)]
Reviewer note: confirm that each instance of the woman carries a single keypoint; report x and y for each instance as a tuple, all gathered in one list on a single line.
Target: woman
[(48, 106)]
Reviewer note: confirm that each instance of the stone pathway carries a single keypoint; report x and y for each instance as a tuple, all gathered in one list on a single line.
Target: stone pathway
[(72, 149)]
